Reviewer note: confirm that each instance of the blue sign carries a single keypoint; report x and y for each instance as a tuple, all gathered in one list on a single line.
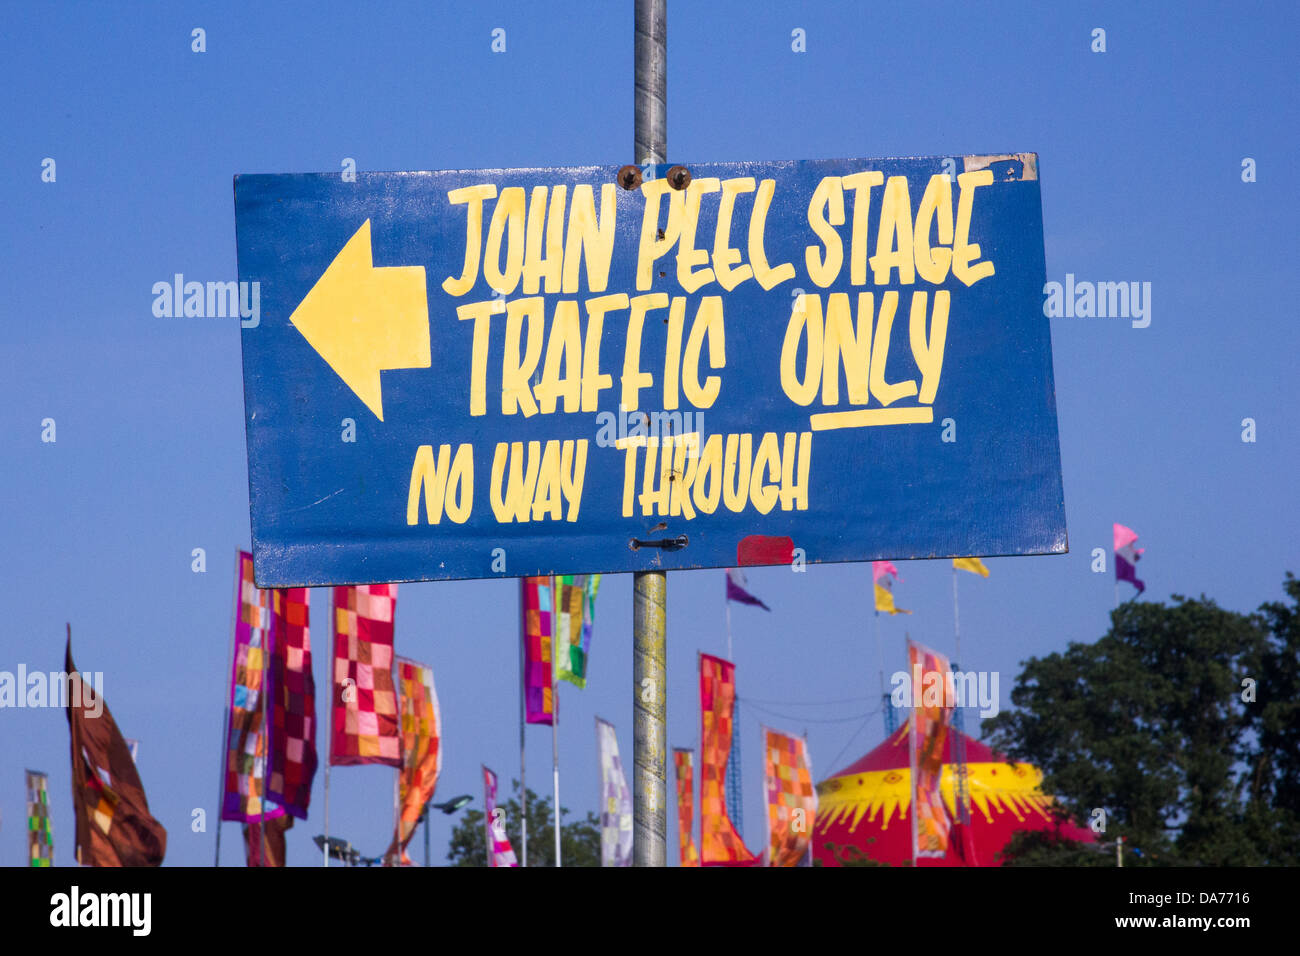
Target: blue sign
[(531, 371)]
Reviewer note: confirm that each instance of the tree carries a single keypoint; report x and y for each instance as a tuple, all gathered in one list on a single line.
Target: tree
[(1155, 725), (579, 839)]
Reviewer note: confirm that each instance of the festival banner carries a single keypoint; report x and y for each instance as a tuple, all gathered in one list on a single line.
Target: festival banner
[(575, 615), (40, 839), (791, 797), (244, 794), (114, 826), (499, 851), (535, 599), (421, 723), (683, 760), (291, 696), (931, 715), (883, 574), (615, 800), (720, 844), (364, 699)]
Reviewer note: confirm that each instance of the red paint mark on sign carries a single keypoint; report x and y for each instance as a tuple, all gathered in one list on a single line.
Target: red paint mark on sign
[(764, 549)]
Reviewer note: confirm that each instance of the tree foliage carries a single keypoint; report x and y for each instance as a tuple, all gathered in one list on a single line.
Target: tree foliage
[(1158, 724), (579, 839)]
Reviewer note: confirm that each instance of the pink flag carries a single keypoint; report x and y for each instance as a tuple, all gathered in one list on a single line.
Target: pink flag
[(1126, 557), (499, 851)]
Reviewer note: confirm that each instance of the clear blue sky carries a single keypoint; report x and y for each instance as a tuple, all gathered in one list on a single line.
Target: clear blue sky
[(1140, 161)]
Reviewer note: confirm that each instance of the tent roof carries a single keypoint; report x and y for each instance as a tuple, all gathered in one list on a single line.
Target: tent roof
[(892, 754)]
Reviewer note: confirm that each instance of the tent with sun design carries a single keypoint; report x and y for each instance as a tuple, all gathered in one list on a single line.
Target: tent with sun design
[(863, 811)]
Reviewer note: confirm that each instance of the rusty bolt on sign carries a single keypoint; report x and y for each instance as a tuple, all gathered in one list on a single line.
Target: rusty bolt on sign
[(629, 177), (679, 177)]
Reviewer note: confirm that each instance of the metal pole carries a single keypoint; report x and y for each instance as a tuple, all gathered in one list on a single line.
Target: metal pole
[(729, 657), (329, 741), (956, 630), (649, 800), (523, 694), (264, 730), (649, 588), (225, 706), (555, 712), (651, 104)]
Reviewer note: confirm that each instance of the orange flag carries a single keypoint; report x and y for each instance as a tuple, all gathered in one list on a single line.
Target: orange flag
[(720, 844), (114, 826), (420, 726)]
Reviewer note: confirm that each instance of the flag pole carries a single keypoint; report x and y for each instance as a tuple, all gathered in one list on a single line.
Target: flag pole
[(397, 814), (911, 758), (649, 588), (959, 742), (264, 737), (555, 713), (329, 743), (880, 663), (956, 630), (225, 709), (523, 694), (727, 602)]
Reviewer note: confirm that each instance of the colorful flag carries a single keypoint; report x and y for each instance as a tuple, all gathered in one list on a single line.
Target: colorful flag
[(291, 696), (499, 851), (535, 598), (883, 573), (574, 618), (421, 723), (114, 827), (615, 800), (737, 592), (364, 700), (264, 841), (1126, 557), (245, 756), (973, 565), (683, 760), (40, 840), (720, 844), (931, 715), (791, 797)]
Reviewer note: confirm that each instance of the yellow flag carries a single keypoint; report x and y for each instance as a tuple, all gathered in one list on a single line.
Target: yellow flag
[(973, 565), (885, 601)]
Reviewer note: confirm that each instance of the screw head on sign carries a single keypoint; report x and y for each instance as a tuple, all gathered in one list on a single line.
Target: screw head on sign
[(679, 177), (629, 177)]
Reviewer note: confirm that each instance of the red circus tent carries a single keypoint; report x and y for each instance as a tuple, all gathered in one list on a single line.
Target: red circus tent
[(863, 810)]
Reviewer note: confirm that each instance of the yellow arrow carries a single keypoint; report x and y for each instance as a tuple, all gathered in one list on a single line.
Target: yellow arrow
[(363, 320)]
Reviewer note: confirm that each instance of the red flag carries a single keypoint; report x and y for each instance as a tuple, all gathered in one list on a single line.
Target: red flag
[(264, 841), (114, 826), (365, 702), (720, 844), (291, 696)]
